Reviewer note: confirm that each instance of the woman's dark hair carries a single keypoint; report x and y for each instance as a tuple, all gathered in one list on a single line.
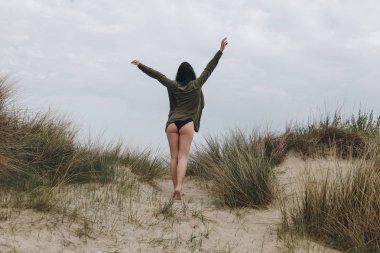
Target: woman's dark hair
[(185, 73)]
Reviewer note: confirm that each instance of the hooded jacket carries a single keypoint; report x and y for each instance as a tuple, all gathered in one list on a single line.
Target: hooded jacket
[(185, 73), (186, 101)]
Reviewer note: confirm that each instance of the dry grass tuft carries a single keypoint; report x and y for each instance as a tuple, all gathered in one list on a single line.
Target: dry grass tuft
[(39, 152), (345, 138), (146, 165), (342, 208), (241, 174), (320, 142)]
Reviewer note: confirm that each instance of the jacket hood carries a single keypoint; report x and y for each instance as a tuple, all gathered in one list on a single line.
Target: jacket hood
[(185, 73)]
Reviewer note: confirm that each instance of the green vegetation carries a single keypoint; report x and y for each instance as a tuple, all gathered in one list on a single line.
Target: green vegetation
[(342, 210), (326, 136), (241, 165), (240, 172), (145, 164), (40, 150)]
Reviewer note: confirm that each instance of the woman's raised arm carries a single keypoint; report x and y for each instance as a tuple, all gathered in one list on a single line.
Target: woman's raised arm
[(155, 74), (210, 66)]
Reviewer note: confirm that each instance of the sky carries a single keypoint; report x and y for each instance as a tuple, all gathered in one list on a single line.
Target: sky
[(286, 61)]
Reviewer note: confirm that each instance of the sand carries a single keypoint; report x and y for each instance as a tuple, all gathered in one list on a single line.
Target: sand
[(137, 217)]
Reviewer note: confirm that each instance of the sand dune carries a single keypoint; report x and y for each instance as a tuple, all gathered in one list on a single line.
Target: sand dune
[(134, 217)]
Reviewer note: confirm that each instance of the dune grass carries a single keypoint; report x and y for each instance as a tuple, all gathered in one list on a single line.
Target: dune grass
[(242, 164), (342, 210), (41, 149), (345, 137), (364, 122), (39, 152), (339, 208), (146, 164), (241, 175)]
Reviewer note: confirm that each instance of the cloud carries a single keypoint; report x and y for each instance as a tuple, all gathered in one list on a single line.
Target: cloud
[(284, 59)]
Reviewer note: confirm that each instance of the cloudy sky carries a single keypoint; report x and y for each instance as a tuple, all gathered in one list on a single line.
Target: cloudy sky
[(286, 61)]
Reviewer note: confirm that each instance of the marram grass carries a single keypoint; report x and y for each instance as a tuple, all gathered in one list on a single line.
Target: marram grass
[(342, 209), (326, 136), (41, 150), (241, 174)]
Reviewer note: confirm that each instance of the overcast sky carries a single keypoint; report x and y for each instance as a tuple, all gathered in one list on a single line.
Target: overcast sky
[(286, 61)]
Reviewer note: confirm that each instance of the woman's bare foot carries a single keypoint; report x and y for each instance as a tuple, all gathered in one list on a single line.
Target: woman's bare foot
[(177, 195)]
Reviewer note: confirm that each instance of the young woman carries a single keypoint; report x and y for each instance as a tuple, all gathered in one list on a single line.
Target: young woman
[(186, 105)]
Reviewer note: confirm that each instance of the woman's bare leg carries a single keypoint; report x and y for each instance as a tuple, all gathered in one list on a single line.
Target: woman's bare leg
[(185, 138), (173, 139)]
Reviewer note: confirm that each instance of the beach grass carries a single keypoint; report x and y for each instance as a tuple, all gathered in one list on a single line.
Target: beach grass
[(39, 152), (340, 208), (240, 172)]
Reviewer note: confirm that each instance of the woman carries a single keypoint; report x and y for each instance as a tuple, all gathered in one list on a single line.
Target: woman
[(186, 104)]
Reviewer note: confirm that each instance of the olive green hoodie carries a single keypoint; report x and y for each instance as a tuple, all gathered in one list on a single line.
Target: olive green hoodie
[(186, 101)]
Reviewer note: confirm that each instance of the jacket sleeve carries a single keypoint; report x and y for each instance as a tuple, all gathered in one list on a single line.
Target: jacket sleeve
[(198, 83), (157, 75)]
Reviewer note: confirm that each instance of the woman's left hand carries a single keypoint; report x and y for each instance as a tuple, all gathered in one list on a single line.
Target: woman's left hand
[(223, 44), (135, 62)]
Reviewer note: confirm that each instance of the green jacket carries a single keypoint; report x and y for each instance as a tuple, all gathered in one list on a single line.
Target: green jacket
[(185, 101)]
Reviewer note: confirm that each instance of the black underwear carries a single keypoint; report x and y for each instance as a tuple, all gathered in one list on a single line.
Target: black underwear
[(181, 123)]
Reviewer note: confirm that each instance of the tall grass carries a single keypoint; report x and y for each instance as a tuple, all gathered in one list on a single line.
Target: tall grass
[(41, 150), (342, 209), (363, 122), (240, 165), (204, 158), (145, 164), (346, 137), (241, 174)]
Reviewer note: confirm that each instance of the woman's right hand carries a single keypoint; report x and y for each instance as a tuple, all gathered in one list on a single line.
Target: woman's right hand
[(223, 44), (135, 62)]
